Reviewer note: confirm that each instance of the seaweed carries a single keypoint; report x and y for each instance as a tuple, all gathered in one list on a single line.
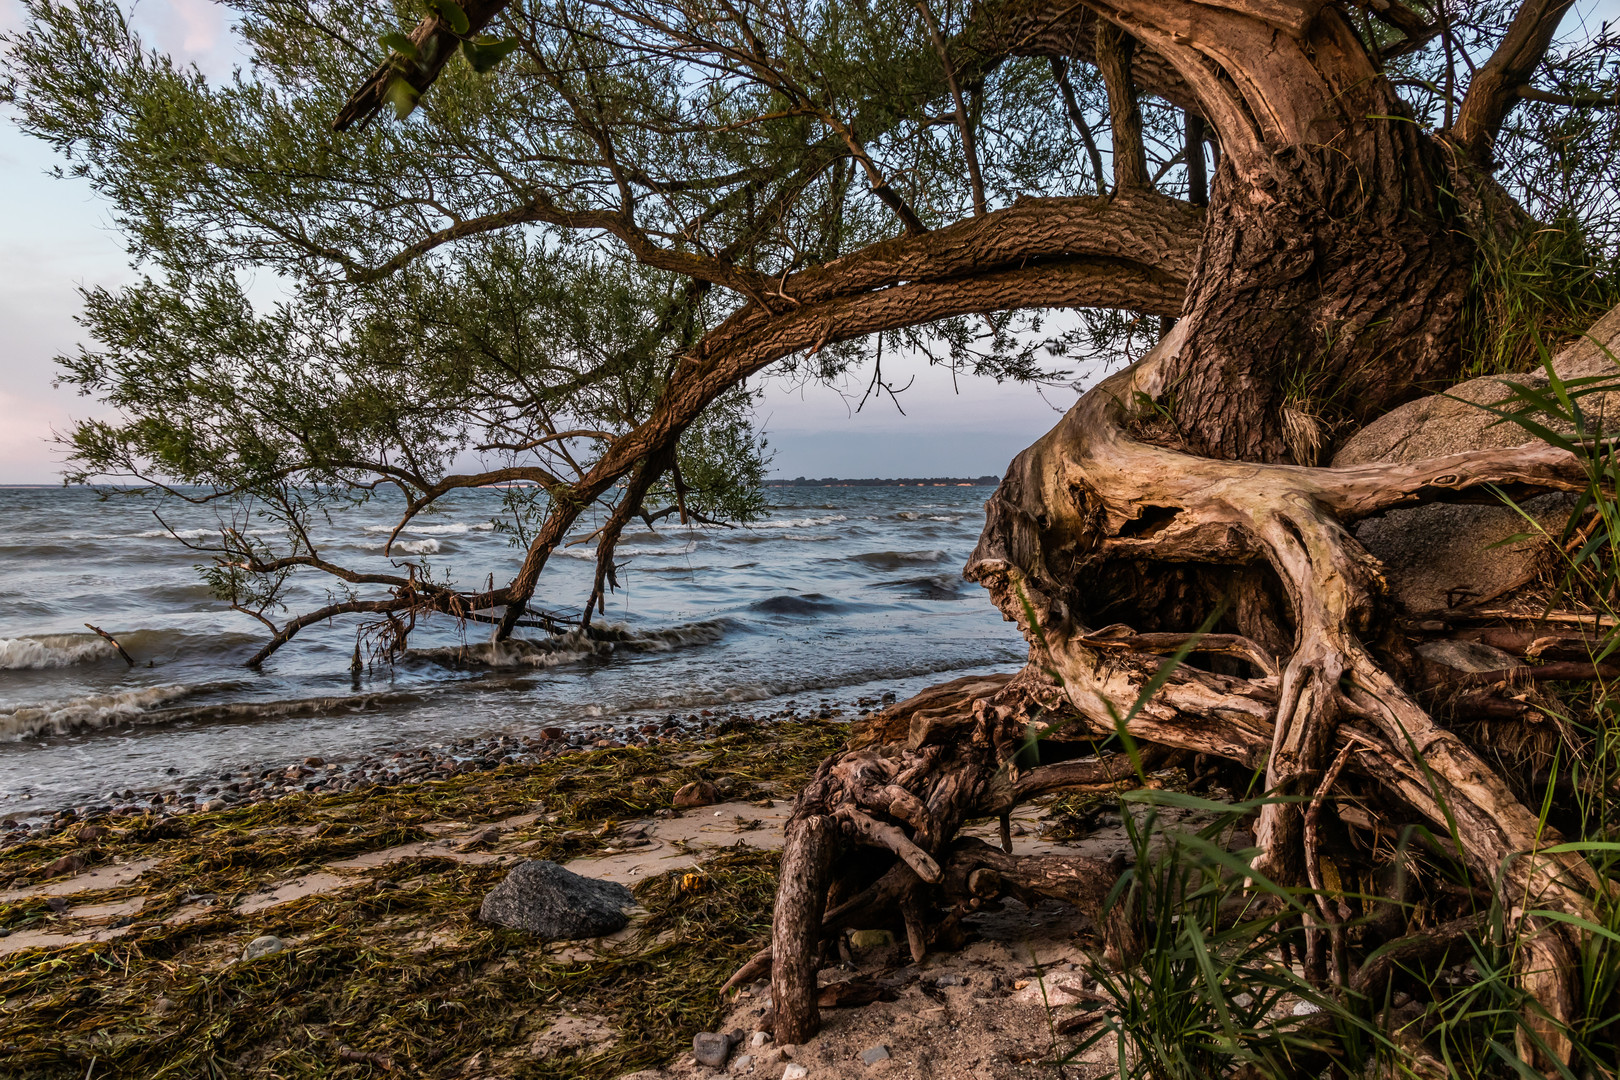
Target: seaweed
[(395, 973)]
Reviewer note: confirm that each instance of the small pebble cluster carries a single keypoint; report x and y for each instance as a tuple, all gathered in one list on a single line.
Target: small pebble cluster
[(253, 783)]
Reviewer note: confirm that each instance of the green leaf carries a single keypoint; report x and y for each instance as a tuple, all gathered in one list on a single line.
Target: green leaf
[(452, 13), (400, 44), (485, 55), (402, 96)]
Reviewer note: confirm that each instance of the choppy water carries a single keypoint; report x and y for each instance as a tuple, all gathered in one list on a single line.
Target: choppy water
[(837, 590)]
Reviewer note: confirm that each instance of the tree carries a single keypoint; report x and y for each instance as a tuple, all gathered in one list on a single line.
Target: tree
[(755, 184)]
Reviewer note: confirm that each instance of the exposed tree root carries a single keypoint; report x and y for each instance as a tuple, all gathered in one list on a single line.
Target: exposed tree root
[(1092, 512)]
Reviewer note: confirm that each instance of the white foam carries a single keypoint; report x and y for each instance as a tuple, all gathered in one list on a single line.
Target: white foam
[(96, 711), (181, 534), (454, 528), (588, 554), (52, 651), (795, 523), (408, 547)]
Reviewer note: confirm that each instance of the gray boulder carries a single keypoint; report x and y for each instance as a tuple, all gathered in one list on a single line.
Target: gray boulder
[(1442, 556), (556, 904)]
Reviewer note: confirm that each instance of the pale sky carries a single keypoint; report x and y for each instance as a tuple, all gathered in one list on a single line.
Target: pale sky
[(58, 236)]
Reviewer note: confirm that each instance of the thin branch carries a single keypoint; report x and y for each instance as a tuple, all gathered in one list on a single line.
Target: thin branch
[(969, 150), (1494, 89), (1060, 71)]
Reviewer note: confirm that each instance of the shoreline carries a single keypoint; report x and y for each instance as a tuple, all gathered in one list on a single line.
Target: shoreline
[(267, 781), (138, 956)]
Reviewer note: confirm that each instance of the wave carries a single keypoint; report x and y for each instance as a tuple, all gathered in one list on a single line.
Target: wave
[(794, 523), (931, 587), (455, 528), (145, 707), (886, 675), (574, 645), (165, 534), (52, 651), (589, 553), (76, 714), (806, 604), (429, 546), (895, 560)]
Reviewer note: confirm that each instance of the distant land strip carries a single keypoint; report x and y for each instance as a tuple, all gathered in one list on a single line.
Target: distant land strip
[(930, 481)]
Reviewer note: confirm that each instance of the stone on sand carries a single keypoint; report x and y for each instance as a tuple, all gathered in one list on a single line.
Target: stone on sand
[(556, 904)]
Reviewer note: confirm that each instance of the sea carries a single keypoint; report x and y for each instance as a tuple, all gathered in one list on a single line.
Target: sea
[(837, 592)]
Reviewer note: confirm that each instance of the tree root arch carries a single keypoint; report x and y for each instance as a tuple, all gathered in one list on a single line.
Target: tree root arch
[(1299, 693)]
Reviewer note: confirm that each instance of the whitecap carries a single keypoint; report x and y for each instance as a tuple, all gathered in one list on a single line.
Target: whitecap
[(453, 528), (795, 523), (96, 711), (589, 553), (179, 534), (52, 651), (407, 547)]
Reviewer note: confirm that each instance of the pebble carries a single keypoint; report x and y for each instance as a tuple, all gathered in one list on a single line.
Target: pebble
[(876, 1054), (250, 784), (263, 946), (760, 1038), (795, 1072), (696, 793), (862, 940), (711, 1048)]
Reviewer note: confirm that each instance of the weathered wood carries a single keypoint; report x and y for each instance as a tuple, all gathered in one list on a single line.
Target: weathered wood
[(113, 642), (796, 927)]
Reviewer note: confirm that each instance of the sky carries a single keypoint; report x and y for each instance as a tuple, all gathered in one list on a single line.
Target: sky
[(59, 237)]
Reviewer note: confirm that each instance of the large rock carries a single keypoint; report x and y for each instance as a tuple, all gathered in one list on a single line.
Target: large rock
[(1439, 425), (556, 904), (1443, 556)]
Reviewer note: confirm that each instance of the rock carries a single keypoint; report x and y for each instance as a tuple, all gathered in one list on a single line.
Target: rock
[(214, 804), (743, 1064), (263, 946), (314, 762), (696, 793), (1433, 553), (482, 837), (163, 1006), (712, 1048), (67, 864), (950, 980), (876, 1054), (556, 904), (795, 1072), (760, 1038), (553, 733), (1471, 656), (867, 940), (89, 834)]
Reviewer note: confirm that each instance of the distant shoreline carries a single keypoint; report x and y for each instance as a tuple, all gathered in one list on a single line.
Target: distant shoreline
[(927, 481)]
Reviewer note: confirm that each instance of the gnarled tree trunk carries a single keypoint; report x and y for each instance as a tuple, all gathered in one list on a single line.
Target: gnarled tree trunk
[(1327, 289)]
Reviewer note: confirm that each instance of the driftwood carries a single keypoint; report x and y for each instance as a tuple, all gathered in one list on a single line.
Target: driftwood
[(113, 642)]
